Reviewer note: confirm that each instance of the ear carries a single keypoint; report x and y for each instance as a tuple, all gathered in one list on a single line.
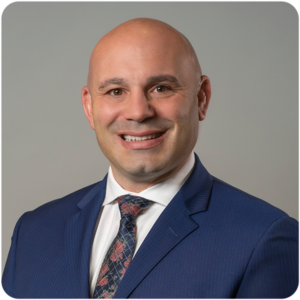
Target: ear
[(87, 105), (204, 95)]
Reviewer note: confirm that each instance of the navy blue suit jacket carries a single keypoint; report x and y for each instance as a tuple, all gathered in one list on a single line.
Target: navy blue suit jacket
[(211, 241)]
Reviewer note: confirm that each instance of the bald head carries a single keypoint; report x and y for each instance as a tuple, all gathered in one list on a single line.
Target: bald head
[(144, 99), (145, 35)]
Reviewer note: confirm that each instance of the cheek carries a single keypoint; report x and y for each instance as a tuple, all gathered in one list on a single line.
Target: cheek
[(104, 115), (180, 111), (186, 122), (171, 109)]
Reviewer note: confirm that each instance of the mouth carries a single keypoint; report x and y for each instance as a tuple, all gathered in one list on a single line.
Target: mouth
[(132, 138), (142, 140)]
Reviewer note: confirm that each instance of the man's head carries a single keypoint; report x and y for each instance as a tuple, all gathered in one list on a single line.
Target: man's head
[(144, 99)]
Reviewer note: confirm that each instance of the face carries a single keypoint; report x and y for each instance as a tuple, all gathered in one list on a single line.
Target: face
[(144, 104)]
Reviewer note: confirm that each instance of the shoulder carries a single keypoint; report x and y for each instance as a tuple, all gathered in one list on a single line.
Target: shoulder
[(240, 223), (56, 211), (241, 202), (241, 214), (262, 236)]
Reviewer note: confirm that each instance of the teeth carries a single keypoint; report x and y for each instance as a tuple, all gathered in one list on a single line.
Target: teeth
[(131, 138)]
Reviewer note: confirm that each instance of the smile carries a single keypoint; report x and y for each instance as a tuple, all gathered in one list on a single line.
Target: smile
[(131, 138)]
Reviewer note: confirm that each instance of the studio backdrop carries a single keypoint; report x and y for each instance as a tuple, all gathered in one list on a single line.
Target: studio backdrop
[(249, 138)]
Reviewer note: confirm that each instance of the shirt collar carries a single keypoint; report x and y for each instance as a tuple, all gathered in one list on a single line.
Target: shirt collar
[(161, 193)]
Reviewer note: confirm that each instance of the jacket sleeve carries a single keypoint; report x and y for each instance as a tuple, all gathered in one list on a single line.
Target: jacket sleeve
[(9, 270), (272, 271)]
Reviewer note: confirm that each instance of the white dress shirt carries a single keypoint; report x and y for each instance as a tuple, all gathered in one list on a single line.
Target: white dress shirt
[(109, 217)]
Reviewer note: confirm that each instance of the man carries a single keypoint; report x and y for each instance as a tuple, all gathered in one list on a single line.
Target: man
[(158, 225)]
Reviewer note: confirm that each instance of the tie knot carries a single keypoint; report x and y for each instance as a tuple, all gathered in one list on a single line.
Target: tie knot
[(132, 205)]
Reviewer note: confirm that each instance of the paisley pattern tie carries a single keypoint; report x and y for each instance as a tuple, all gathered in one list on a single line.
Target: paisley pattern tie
[(119, 254)]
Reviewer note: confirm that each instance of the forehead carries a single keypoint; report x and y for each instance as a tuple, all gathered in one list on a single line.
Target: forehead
[(140, 57)]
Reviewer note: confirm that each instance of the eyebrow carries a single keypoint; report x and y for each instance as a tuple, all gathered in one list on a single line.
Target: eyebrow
[(115, 80), (160, 78), (150, 80)]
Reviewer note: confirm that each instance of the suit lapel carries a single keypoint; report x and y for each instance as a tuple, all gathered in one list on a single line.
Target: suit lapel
[(79, 232), (173, 225)]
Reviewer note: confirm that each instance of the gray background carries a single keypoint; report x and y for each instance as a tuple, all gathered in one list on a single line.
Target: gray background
[(250, 136)]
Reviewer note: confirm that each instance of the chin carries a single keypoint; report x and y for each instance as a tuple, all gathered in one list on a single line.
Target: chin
[(144, 168)]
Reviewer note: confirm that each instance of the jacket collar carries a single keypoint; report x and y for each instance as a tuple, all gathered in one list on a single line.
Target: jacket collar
[(79, 234), (196, 190), (173, 225), (99, 188)]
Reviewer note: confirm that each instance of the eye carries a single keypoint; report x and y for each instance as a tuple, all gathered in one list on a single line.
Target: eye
[(115, 92), (161, 88)]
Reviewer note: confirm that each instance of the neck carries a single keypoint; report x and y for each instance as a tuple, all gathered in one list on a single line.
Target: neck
[(140, 183)]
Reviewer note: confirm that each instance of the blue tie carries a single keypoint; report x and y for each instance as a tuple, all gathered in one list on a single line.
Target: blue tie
[(119, 254)]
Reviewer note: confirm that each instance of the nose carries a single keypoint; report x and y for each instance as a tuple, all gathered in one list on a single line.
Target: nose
[(138, 107)]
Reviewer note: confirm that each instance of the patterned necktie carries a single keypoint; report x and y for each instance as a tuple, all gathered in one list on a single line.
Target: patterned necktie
[(119, 254)]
